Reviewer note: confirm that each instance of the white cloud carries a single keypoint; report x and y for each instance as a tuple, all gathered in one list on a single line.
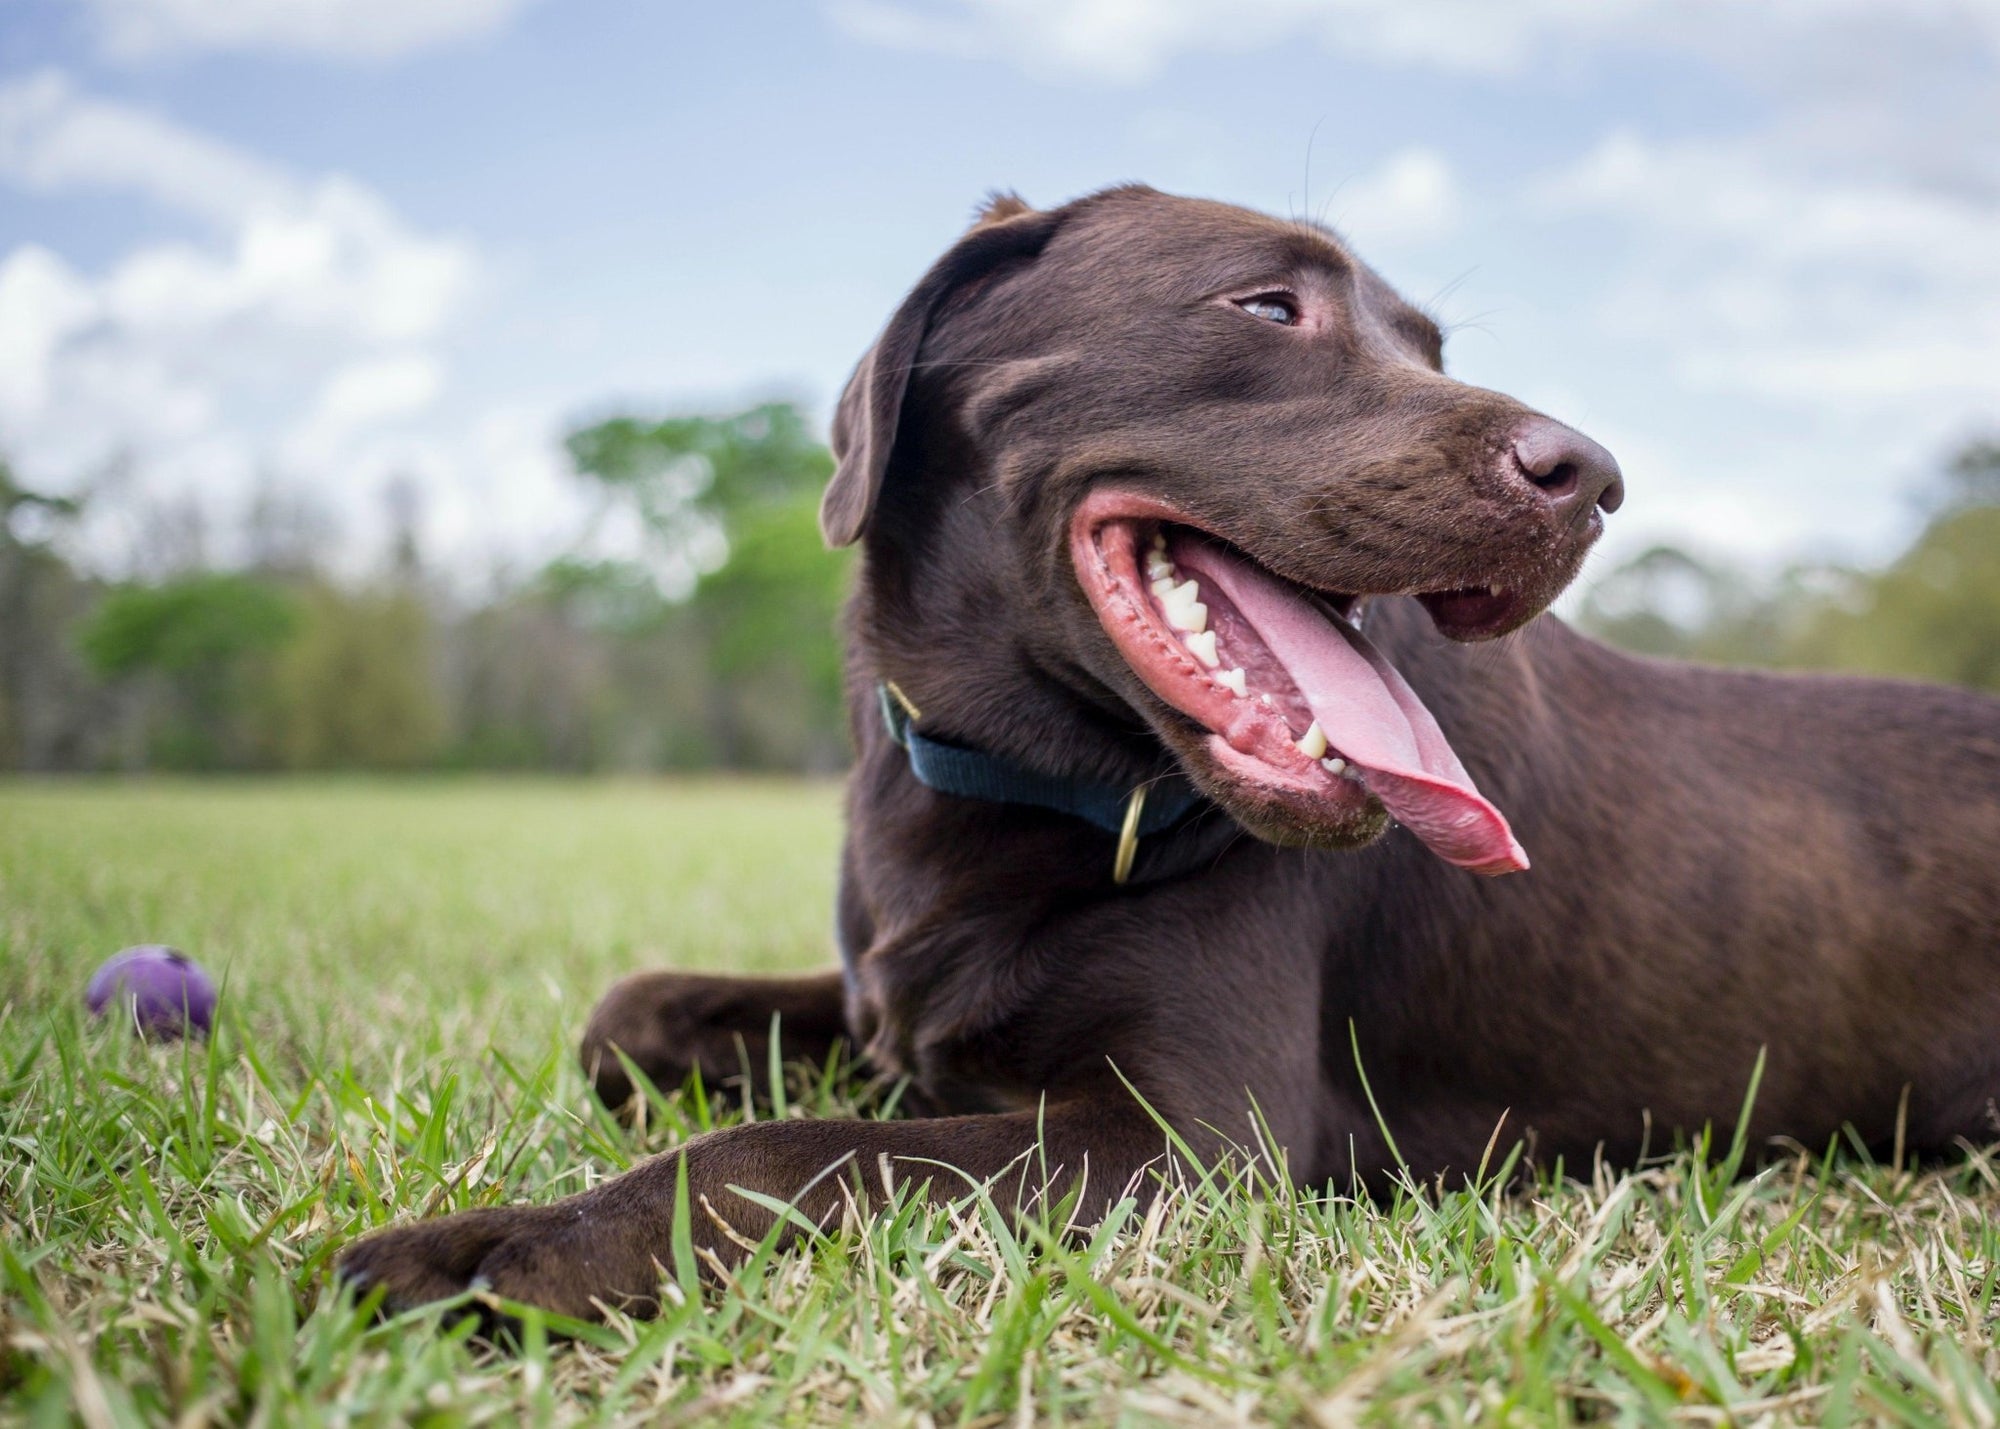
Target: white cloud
[(1819, 330), (334, 257), (1761, 273), (496, 489), (1412, 198), (54, 138), (196, 361), (1745, 194), (326, 254), (42, 302), (362, 395), (373, 30), (1128, 41)]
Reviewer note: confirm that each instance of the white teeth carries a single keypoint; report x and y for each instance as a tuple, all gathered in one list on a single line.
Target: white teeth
[(1493, 590), (1312, 744), (1335, 765), (1266, 698), (1160, 541), (1201, 645), (1158, 567), (1183, 608), (1162, 587), (1232, 680)]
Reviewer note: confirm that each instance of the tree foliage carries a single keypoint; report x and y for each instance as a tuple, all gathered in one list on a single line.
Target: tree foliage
[(356, 688), (205, 639), (712, 645), (707, 640), (1933, 613), (47, 692), (763, 604), (193, 626)]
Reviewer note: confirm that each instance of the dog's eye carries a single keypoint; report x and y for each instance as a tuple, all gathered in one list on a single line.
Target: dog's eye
[(1272, 308)]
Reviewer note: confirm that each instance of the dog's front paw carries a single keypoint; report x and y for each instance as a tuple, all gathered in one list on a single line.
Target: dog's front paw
[(668, 1025), (547, 1256)]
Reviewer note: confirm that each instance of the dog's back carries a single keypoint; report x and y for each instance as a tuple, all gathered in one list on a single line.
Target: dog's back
[(1728, 863)]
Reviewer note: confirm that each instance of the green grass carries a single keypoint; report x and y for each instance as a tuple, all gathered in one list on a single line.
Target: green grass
[(407, 966)]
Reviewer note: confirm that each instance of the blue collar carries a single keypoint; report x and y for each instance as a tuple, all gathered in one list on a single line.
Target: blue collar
[(971, 774)]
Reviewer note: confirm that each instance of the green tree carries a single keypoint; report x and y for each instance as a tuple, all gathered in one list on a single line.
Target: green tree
[(207, 639), (16, 501), (356, 687), (1667, 601), (729, 505), (1933, 613), (43, 683), (1972, 476)]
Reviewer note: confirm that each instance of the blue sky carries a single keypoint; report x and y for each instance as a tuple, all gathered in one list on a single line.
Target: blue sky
[(314, 245)]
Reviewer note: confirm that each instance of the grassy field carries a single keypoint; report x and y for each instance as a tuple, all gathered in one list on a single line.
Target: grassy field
[(407, 966)]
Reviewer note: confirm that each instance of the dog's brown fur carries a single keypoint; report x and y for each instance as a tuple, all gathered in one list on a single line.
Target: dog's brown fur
[(1723, 862)]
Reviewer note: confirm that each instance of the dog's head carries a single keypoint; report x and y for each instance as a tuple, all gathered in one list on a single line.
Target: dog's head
[(1151, 456)]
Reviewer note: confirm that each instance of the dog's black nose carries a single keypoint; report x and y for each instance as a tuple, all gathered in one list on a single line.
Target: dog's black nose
[(1573, 473)]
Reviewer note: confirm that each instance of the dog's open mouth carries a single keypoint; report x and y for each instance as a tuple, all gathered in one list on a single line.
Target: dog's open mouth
[(1298, 704)]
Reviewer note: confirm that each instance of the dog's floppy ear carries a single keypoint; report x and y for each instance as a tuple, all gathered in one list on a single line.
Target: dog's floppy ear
[(865, 422)]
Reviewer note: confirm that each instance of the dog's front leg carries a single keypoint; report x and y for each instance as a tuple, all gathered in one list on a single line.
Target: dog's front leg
[(613, 1244), (670, 1024)]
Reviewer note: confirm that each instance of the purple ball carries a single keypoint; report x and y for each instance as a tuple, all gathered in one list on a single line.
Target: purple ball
[(162, 989)]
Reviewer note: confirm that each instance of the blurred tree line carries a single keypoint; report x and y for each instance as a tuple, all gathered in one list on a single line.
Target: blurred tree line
[(1932, 613), (713, 646)]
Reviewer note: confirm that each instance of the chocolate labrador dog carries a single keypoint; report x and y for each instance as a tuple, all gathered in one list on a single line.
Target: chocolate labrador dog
[(1185, 730)]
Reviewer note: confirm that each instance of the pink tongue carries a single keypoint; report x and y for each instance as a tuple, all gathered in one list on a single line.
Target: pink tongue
[(1373, 718)]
